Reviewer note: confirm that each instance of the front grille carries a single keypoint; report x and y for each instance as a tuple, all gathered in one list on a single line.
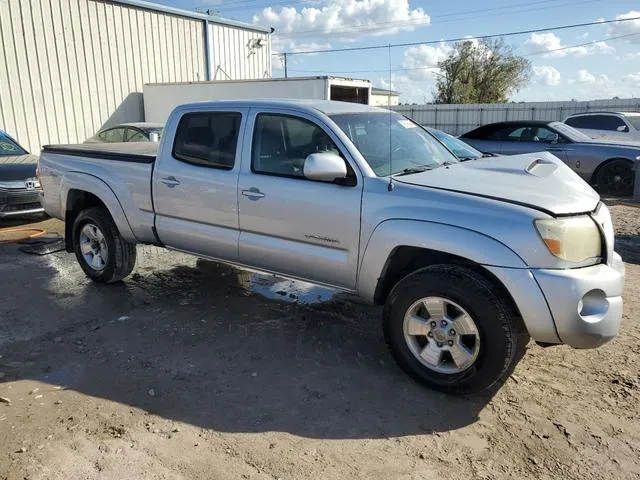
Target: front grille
[(19, 207)]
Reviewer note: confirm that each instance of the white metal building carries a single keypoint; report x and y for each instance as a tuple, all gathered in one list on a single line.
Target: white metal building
[(69, 68), (381, 97)]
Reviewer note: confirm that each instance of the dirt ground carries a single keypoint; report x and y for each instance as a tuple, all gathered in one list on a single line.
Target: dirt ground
[(194, 370)]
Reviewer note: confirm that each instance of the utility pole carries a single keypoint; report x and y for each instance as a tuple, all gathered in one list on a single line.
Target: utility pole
[(285, 64)]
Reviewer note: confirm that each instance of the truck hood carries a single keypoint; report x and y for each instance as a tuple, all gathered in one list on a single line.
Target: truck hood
[(536, 180)]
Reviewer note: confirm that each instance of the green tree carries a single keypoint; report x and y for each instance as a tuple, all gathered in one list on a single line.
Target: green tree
[(485, 72)]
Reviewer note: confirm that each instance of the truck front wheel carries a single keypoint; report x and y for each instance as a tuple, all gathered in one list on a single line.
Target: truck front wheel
[(100, 250), (449, 328)]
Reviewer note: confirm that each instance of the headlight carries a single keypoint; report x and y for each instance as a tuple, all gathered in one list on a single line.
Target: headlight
[(574, 239)]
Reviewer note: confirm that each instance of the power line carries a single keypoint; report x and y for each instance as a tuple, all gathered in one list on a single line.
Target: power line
[(375, 26), (426, 67), (459, 39)]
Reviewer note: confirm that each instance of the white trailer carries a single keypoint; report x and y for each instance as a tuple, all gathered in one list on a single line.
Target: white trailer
[(161, 98)]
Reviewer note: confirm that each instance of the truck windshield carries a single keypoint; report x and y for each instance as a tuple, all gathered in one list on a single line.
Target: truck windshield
[(391, 143), (9, 147)]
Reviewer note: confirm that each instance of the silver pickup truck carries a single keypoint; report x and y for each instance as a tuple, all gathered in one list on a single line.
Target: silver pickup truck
[(469, 259)]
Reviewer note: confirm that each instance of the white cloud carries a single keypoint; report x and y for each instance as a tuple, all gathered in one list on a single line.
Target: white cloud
[(629, 56), (630, 27), (546, 75), (344, 19), (551, 43), (410, 90), (421, 61), (585, 76), (632, 79)]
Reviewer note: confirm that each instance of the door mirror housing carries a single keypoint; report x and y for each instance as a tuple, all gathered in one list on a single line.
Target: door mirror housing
[(622, 128), (325, 167), (553, 138)]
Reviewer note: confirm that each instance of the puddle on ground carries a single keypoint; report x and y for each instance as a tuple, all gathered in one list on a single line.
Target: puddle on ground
[(277, 288), (160, 268), (67, 376)]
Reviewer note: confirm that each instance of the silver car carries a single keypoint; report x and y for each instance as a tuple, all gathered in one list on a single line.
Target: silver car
[(607, 166)]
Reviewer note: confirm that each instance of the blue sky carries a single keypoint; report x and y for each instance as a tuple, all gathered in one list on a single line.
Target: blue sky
[(605, 68)]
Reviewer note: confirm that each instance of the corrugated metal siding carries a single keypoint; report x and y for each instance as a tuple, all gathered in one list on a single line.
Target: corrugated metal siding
[(458, 119), (232, 57), (70, 67)]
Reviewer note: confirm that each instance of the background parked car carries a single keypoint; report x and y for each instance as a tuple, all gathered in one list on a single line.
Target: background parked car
[(460, 149), (618, 126), (19, 187), (605, 165), (128, 132)]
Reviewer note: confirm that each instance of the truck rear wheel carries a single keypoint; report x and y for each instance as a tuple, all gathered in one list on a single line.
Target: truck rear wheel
[(100, 250), (450, 329)]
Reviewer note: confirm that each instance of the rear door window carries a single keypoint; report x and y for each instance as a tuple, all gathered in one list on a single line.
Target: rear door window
[(208, 139)]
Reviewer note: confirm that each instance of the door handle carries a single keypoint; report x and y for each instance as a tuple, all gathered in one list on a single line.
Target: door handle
[(253, 193), (170, 181), (555, 149)]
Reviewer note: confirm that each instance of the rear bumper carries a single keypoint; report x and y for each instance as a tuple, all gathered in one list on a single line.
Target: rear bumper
[(586, 303), (19, 202)]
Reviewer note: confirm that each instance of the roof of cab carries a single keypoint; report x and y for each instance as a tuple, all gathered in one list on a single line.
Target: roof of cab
[(327, 107)]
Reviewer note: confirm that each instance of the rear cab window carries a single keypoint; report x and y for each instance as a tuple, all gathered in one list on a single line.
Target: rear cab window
[(208, 139)]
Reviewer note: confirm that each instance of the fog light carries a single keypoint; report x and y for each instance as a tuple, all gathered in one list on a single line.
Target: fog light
[(593, 306)]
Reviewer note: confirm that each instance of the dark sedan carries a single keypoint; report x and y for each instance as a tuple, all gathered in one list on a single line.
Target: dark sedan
[(607, 166), (19, 187)]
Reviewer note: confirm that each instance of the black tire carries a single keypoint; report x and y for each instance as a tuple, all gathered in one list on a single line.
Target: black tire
[(615, 178), (121, 254), (503, 337)]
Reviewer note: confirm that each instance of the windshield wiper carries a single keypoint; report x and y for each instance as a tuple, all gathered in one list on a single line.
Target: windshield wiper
[(409, 171)]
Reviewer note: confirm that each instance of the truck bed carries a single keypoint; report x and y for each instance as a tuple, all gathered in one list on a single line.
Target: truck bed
[(118, 173), (138, 152)]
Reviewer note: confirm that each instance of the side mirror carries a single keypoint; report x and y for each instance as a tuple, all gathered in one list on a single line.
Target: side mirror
[(326, 167), (553, 138), (622, 128)]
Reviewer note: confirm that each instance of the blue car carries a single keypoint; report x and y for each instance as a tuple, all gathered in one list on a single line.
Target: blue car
[(19, 188)]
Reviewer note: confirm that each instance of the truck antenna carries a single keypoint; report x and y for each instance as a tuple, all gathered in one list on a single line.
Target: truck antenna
[(390, 186)]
